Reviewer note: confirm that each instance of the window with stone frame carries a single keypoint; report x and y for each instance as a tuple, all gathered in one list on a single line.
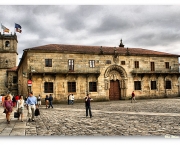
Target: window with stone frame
[(136, 64), (7, 44), (14, 79), (168, 84), (71, 64), (167, 65), (92, 63), (92, 87), (71, 86), (48, 62), (122, 62), (153, 85), (48, 87), (152, 66), (108, 61), (137, 85)]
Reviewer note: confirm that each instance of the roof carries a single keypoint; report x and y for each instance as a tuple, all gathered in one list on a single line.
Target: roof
[(12, 69), (62, 48)]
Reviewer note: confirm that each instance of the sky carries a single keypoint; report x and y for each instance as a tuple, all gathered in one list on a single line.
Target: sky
[(149, 26)]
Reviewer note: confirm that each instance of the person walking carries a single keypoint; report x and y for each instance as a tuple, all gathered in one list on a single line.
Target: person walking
[(68, 98), (31, 106), (88, 105), (20, 107), (72, 99), (39, 100), (8, 106), (47, 101), (133, 97), (50, 101)]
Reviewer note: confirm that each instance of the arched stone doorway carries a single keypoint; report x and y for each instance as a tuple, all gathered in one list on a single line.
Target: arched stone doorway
[(116, 77)]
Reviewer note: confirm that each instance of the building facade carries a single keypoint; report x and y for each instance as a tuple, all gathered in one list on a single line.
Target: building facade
[(107, 73), (8, 60)]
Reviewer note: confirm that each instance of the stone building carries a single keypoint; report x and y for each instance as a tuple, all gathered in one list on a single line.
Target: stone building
[(8, 61), (107, 73)]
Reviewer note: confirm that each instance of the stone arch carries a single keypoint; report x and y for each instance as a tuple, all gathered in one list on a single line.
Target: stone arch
[(113, 74), (117, 68)]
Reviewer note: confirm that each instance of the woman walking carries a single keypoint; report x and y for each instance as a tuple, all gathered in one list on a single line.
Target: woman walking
[(8, 106), (20, 107), (47, 101)]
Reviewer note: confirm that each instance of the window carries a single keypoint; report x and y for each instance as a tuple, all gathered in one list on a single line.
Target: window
[(122, 62), (108, 62), (153, 85), (92, 87), (136, 64), (167, 65), (152, 66), (137, 85), (168, 84), (48, 87), (14, 79), (91, 63), (48, 62), (7, 44), (71, 86), (71, 64)]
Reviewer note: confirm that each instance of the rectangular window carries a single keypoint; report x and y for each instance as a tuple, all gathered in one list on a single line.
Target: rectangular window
[(108, 61), (71, 64), (91, 63), (48, 62), (137, 85), (136, 64), (92, 87), (168, 84), (122, 62), (48, 87), (167, 65), (71, 86), (14, 79), (153, 85), (152, 66)]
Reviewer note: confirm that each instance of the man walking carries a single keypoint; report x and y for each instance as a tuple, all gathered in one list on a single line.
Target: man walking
[(50, 101), (31, 106), (133, 97), (88, 105)]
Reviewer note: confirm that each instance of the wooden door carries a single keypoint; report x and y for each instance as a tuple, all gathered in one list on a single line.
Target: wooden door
[(114, 91)]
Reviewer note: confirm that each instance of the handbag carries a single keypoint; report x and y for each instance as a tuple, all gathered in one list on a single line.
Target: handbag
[(16, 114), (37, 112), (4, 111)]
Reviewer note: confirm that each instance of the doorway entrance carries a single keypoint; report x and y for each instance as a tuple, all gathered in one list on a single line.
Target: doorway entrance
[(114, 91)]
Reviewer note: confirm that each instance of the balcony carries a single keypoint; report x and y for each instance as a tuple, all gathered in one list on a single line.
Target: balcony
[(163, 71), (65, 70)]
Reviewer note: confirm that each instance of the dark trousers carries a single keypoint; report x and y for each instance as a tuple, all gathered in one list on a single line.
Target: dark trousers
[(88, 108), (50, 104)]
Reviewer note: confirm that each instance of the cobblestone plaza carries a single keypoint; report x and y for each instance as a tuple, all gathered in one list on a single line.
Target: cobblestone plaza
[(151, 117)]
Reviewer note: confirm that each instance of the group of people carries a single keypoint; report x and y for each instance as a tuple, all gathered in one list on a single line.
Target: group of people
[(31, 102), (70, 99), (48, 101)]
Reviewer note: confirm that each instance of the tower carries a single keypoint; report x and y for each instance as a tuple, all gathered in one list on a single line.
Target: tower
[(8, 58)]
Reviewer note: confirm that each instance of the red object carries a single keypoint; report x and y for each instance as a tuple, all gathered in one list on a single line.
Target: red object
[(29, 82)]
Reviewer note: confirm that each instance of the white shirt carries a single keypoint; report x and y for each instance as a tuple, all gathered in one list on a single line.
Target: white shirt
[(20, 105), (0, 98)]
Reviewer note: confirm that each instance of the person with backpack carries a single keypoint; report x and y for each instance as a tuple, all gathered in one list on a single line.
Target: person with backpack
[(50, 101)]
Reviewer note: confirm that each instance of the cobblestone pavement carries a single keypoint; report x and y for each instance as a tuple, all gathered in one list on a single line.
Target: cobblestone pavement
[(152, 117)]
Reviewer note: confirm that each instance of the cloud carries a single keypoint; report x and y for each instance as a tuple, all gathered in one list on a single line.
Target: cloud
[(154, 27)]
